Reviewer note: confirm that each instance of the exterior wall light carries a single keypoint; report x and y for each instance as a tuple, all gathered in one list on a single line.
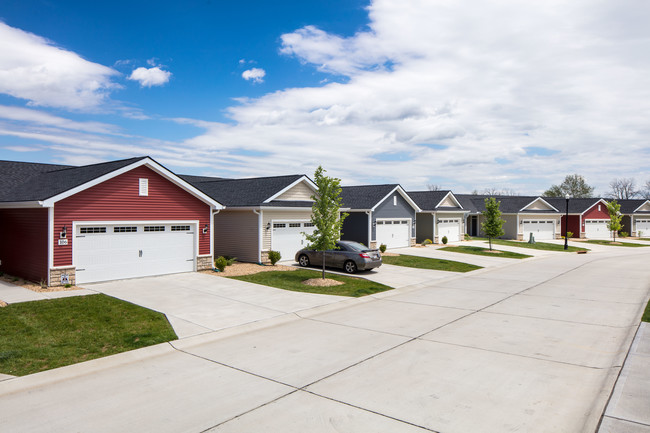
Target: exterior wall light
[(64, 233), (205, 229)]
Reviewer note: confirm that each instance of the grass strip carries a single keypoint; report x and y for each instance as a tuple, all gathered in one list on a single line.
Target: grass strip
[(479, 251), (353, 287), (41, 335), (536, 246), (646, 314), (429, 263), (617, 244)]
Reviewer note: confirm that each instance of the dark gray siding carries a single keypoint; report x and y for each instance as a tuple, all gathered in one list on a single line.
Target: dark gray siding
[(626, 225), (387, 210), (236, 235), (424, 227), (355, 228)]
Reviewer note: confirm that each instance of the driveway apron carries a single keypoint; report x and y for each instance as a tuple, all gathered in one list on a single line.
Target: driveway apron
[(528, 347)]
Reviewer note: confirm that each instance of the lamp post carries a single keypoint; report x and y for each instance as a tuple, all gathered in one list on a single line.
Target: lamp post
[(566, 224)]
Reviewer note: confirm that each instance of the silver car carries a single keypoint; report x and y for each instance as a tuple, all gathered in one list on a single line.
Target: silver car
[(351, 256)]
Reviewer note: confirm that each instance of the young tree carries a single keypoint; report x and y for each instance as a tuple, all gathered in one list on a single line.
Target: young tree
[(573, 185), (493, 224), (615, 217), (325, 214)]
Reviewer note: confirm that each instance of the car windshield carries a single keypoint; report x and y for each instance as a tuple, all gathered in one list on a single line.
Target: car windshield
[(354, 246)]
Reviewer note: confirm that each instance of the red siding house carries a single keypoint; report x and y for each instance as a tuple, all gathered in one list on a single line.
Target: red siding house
[(120, 219), (588, 217)]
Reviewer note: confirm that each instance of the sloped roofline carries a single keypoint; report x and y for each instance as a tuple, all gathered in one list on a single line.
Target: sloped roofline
[(537, 199), (453, 197), (404, 195), (595, 203), (150, 163), (303, 178), (642, 204)]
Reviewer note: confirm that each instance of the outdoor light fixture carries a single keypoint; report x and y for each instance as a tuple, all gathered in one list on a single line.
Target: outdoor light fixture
[(64, 233), (566, 224), (205, 229), (268, 226)]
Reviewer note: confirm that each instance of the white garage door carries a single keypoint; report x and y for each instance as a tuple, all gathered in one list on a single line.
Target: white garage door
[(597, 229), (394, 233), (112, 252), (541, 229), (643, 227), (449, 228), (287, 237)]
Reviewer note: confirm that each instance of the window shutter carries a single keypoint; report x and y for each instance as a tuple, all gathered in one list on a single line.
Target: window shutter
[(144, 186)]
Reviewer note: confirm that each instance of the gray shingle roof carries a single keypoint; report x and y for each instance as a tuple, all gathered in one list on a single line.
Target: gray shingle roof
[(364, 196), (26, 181), (510, 204), (629, 206), (244, 192), (428, 200)]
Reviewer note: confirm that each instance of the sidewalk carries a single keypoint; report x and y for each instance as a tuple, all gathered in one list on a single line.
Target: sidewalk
[(12, 294), (628, 410)]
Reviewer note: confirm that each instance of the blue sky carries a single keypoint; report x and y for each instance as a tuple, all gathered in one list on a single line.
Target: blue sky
[(467, 96)]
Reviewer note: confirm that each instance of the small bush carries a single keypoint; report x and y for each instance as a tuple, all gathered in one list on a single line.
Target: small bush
[(427, 242), (445, 240), (230, 260), (274, 257), (624, 234), (382, 248), (67, 286), (569, 234), (468, 237), (220, 263)]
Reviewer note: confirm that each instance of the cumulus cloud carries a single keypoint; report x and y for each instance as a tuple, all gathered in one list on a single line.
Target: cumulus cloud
[(460, 91), (255, 74), (148, 77), (34, 69)]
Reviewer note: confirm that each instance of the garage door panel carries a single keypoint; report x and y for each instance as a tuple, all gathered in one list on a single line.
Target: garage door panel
[(288, 238), (541, 229), (393, 233), (114, 255), (597, 229), (643, 227), (449, 228)]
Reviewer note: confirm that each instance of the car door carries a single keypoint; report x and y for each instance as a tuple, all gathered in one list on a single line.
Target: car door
[(336, 257)]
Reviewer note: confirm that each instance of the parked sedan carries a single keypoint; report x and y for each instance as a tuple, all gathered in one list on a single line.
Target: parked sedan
[(351, 256)]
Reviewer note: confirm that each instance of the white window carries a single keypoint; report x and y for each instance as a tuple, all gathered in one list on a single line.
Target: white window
[(294, 224), (154, 228), (180, 228), (309, 224), (92, 230), (125, 229), (144, 186), (279, 225)]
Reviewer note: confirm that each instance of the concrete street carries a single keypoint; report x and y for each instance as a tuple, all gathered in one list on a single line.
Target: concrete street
[(534, 346)]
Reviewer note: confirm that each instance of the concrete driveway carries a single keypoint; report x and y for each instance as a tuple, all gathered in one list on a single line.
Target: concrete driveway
[(195, 303), (532, 347)]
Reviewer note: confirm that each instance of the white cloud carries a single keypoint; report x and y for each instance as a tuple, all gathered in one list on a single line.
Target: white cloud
[(148, 77), (34, 69), (255, 74), (37, 117), (481, 80)]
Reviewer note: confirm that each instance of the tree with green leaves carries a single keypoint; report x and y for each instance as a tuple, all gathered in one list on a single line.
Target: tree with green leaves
[(325, 214), (615, 217), (493, 224), (574, 186)]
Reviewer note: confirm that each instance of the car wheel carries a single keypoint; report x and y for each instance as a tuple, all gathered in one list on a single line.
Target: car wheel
[(303, 260), (350, 267)]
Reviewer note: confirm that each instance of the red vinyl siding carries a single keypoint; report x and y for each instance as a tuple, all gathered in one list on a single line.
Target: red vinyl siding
[(119, 199), (594, 214), (23, 243), (574, 225)]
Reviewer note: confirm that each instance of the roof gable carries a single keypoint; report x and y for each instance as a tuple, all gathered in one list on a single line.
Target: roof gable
[(300, 190), (645, 207), (369, 197), (450, 201), (539, 204)]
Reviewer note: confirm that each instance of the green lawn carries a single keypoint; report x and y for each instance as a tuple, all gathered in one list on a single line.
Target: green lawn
[(617, 244), (535, 246), (484, 252), (40, 335), (646, 313), (428, 263), (292, 280)]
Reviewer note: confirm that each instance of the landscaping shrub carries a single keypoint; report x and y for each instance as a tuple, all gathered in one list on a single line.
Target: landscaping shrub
[(569, 234), (445, 240), (382, 248), (468, 237), (274, 257), (427, 242), (220, 263), (624, 234), (230, 260)]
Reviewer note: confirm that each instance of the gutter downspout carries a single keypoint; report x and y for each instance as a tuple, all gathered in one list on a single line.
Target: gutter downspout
[(214, 212), (259, 235), (369, 213), (433, 227)]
